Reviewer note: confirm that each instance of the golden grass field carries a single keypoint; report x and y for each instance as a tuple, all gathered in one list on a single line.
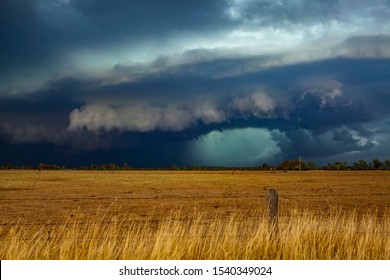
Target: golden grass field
[(193, 215)]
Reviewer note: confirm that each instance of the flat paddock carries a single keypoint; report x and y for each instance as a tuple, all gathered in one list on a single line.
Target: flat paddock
[(49, 197)]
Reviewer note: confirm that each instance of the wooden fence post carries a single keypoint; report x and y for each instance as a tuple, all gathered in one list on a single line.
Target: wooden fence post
[(272, 205)]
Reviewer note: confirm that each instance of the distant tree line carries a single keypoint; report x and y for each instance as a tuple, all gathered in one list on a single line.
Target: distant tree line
[(376, 164), (107, 166), (40, 166), (287, 165), (298, 164)]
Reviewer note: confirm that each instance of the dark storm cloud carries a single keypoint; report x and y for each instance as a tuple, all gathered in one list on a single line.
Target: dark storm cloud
[(33, 30), (42, 39), (148, 17), (159, 81), (41, 33)]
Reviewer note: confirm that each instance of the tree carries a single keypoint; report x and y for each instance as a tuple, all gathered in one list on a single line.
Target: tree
[(337, 165), (41, 166), (289, 165), (311, 165), (386, 164), (8, 166), (377, 164), (265, 166), (361, 165)]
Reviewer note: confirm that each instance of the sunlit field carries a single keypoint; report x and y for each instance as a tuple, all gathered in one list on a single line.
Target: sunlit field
[(193, 215)]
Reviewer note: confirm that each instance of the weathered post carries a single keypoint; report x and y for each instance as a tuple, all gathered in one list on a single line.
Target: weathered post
[(272, 204)]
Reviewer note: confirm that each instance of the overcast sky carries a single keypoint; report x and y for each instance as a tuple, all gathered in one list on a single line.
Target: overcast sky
[(224, 82)]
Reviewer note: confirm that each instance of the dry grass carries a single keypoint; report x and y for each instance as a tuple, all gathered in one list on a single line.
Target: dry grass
[(301, 236), (192, 215)]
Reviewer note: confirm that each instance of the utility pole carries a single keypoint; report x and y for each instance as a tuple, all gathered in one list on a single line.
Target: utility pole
[(300, 163)]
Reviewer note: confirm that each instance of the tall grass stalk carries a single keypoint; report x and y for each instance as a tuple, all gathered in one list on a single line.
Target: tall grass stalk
[(301, 236)]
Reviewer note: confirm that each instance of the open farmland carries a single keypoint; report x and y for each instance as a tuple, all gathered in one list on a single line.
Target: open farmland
[(40, 203)]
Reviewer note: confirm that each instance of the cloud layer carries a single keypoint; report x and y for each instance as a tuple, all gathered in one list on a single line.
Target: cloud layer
[(101, 118)]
